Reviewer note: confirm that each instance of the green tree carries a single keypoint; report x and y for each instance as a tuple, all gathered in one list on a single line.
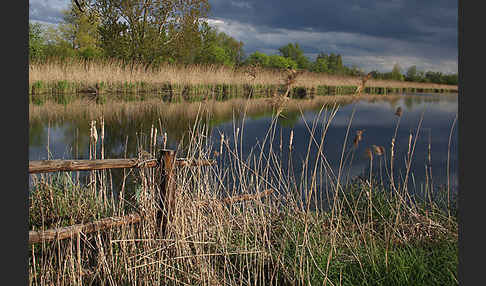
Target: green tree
[(452, 79), (396, 73), (335, 63), (320, 64), (80, 29), (219, 48), (279, 62), (258, 58), (215, 54), (150, 31), (294, 52), (56, 44), (36, 41), (411, 74), (232, 47), (435, 77)]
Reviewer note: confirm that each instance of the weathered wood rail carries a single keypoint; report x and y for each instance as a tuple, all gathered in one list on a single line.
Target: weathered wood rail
[(48, 166), (73, 230)]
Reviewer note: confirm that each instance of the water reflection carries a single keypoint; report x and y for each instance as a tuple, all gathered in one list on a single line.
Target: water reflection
[(68, 139)]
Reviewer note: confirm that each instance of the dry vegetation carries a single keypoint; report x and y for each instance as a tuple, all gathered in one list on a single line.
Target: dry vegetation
[(366, 232), (113, 72)]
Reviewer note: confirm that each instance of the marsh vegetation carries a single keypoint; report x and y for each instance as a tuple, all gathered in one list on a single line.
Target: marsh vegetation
[(313, 228)]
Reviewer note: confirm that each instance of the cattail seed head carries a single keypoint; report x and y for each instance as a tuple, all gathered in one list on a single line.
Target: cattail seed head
[(221, 144), (398, 112), (379, 150), (94, 133), (368, 153), (291, 139), (358, 137), (102, 122)]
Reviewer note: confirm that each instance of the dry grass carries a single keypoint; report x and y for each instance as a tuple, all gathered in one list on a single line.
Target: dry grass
[(113, 72), (278, 240)]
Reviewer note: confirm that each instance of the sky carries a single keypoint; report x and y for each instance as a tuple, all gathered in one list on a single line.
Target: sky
[(372, 34)]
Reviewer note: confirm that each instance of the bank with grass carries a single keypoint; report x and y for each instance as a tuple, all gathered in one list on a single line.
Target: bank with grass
[(107, 80)]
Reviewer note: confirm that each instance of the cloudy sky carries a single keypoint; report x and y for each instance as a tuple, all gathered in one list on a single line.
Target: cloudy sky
[(372, 34)]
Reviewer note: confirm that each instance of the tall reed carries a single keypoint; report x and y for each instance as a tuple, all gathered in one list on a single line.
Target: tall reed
[(80, 74), (311, 228)]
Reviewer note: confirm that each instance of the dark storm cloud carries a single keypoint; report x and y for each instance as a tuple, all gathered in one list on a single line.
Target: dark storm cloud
[(390, 19), (412, 32)]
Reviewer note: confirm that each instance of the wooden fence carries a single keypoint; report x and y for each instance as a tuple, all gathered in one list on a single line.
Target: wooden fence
[(165, 164)]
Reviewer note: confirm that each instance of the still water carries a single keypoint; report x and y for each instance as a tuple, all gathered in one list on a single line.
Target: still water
[(429, 118)]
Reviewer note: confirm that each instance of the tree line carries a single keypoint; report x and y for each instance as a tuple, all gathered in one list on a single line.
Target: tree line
[(155, 32), (415, 75)]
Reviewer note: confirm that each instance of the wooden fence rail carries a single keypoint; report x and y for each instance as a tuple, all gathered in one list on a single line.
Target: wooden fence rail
[(111, 222), (71, 231), (47, 166)]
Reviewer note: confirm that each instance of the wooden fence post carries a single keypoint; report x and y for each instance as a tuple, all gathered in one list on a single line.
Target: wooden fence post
[(167, 189)]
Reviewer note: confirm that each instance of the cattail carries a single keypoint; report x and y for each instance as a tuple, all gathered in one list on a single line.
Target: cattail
[(358, 137), (165, 140), (291, 139), (94, 133), (102, 122), (379, 150), (368, 153), (398, 112), (152, 133), (94, 139), (155, 139), (221, 144)]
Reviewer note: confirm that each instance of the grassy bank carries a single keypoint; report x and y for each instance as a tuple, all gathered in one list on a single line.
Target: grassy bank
[(317, 229), (61, 81)]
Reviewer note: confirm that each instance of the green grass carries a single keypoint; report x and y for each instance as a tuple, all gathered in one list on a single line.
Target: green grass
[(376, 256), (58, 201)]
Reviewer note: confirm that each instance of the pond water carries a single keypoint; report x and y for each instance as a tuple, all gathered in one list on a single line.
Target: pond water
[(430, 116)]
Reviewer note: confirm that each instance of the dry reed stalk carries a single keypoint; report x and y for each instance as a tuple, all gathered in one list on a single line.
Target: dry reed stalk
[(361, 87), (241, 243), (113, 72), (448, 170)]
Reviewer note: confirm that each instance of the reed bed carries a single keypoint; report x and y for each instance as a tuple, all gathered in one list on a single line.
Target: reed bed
[(200, 81), (315, 228)]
